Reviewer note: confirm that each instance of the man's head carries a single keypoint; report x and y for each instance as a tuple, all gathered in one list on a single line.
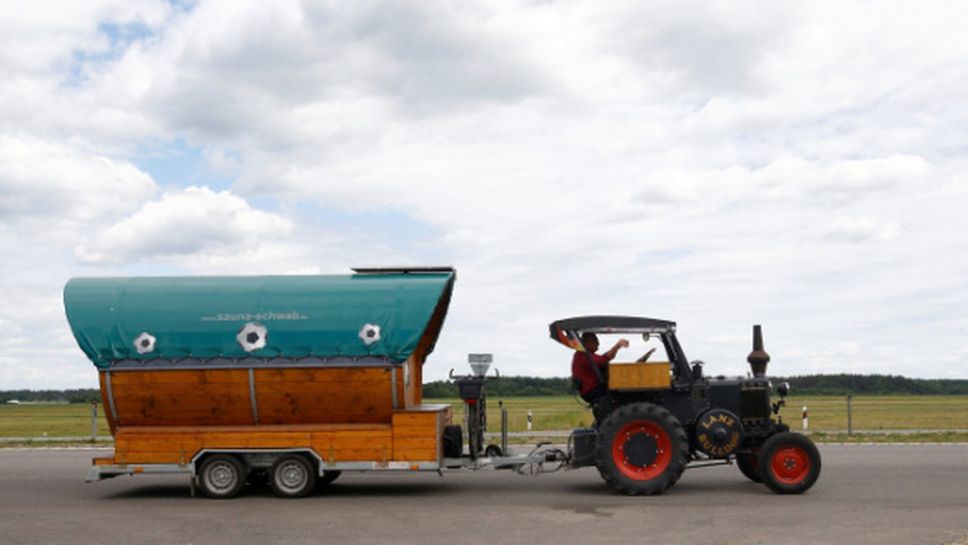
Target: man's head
[(590, 341)]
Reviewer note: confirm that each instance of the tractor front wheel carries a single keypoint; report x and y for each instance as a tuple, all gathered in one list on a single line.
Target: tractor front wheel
[(747, 462), (789, 463), (641, 449)]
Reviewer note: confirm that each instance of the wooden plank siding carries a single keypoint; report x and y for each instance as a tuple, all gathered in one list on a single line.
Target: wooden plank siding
[(221, 397), (324, 395), (343, 414), (177, 444), (413, 436), (416, 433), (639, 376)]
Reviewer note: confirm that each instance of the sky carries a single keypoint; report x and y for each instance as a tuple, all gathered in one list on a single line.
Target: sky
[(796, 165)]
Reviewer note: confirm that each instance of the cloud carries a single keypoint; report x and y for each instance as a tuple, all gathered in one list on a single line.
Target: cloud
[(193, 221), (789, 165), (52, 184), (862, 229)]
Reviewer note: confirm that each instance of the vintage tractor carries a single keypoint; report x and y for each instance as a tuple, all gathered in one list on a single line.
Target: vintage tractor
[(658, 418)]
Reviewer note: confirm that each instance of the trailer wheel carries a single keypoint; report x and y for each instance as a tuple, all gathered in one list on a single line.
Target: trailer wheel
[(789, 463), (328, 477), (292, 476), (221, 476), (453, 439), (748, 465), (641, 449)]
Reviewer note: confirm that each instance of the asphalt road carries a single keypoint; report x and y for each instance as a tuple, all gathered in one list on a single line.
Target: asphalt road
[(913, 494)]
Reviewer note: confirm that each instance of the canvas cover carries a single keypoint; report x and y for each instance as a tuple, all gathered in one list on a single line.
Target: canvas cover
[(381, 315)]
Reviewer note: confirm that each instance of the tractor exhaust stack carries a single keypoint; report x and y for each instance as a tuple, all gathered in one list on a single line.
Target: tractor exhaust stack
[(758, 358)]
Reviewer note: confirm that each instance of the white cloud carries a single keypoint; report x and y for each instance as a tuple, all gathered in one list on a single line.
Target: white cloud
[(52, 183), (791, 165), (862, 229), (195, 221)]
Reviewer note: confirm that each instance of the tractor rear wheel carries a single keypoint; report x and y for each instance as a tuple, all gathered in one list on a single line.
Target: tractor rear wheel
[(789, 463), (747, 462), (641, 449)]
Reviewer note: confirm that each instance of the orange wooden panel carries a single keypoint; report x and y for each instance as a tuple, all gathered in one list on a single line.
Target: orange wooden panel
[(180, 444), (183, 376), (166, 457), (112, 425), (639, 376), (416, 434), (415, 455)]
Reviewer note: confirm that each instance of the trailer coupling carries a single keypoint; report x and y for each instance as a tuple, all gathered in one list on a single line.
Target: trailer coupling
[(544, 458)]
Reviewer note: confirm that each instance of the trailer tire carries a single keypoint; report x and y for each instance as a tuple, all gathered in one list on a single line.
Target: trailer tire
[(789, 463), (641, 449), (221, 476), (292, 476)]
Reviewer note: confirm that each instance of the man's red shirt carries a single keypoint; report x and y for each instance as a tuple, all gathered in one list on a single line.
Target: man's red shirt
[(582, 370)]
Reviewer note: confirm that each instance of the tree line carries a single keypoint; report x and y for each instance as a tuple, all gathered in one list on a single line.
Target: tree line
[(842, 384), (513, 386)]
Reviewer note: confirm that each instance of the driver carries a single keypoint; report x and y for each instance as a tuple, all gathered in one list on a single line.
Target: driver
[(581, 369)]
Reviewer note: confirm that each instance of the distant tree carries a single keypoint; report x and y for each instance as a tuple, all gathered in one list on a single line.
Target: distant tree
[(842, 384)]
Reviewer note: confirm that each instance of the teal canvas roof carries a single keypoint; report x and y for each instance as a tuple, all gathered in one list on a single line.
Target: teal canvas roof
[(371, 315)]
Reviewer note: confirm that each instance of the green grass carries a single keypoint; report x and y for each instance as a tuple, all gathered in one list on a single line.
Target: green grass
[(64, 420), (939, 416), (826, 413), (880, 412)]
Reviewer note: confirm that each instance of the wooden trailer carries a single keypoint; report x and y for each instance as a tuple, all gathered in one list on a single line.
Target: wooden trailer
[(292, 379)]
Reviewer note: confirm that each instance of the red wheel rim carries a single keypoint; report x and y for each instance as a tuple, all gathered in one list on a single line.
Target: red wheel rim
[(637, 431), (790, 465)]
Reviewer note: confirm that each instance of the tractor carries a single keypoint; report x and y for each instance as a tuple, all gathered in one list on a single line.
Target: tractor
[(659, 417)]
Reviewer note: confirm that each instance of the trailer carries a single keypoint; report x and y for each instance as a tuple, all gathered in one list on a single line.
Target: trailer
[(286, 379), (294, 380)]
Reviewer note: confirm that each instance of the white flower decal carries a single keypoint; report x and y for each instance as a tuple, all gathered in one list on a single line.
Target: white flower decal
[(145, 343), (252, 337), (370, 334)]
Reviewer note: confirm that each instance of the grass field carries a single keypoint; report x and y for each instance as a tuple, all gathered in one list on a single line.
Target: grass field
[(827, 415)]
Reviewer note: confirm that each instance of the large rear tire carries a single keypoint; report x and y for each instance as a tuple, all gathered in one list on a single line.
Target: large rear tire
[(641, 449), (221, 476), (789, 463)]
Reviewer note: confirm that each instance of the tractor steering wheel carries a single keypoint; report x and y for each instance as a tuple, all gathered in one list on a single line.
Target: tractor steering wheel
[(645, 356)]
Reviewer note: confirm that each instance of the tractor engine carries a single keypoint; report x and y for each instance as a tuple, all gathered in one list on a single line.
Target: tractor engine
[(741, 407)]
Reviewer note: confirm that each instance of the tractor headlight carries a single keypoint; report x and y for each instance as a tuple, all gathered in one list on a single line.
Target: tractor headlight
[(783, 389)]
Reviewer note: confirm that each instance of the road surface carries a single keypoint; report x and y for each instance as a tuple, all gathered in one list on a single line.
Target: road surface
[(866, 494)]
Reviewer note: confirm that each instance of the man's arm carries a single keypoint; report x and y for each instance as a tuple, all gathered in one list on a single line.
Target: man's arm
[(622, 343)]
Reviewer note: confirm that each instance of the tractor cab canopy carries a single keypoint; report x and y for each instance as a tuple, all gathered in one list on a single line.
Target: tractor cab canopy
[(568, 332), (370, 317)]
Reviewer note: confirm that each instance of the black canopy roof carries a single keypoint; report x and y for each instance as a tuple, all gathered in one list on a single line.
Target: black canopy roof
[(608, 324)]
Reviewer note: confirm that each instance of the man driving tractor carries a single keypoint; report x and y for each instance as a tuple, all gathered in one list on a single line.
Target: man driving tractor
[(592, 382)]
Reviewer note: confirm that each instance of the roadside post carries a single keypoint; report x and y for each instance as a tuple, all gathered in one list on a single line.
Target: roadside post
[(530, 419), (850, 420), (504, 428), (805, 423), (93, 421)]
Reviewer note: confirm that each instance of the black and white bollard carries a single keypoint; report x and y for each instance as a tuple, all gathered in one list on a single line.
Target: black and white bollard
[(530, 419), (805, 419)]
